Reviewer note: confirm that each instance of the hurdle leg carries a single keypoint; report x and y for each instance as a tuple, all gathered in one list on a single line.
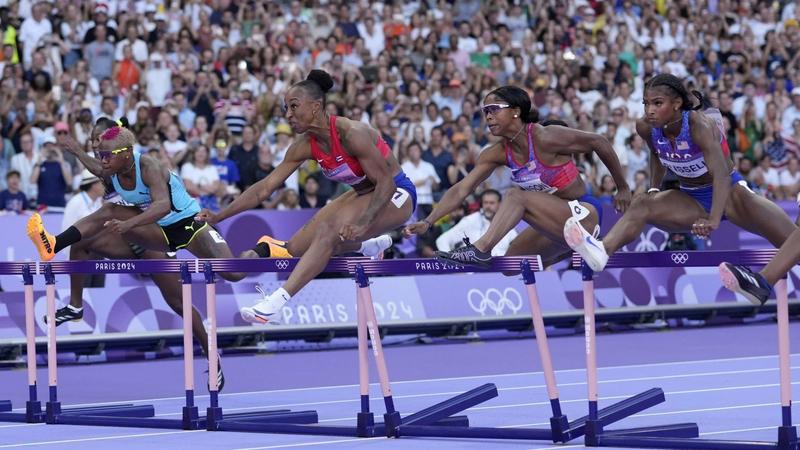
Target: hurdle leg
[(787, 433), (53, 407), (190, 414), (392, 417), (213, 412), (593, 426), (558, 423), (365, 420), (33, 407)]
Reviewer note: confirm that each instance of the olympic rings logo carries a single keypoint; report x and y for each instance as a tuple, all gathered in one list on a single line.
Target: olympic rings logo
[(281, 264), (679, 258), (494, 300)]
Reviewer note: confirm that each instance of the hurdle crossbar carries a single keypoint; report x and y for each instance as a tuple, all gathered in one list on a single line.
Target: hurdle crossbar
[(680, 437)]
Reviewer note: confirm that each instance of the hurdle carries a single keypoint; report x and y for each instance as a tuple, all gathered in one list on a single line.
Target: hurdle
[(126, 414), (367, 327), (681, 436), (437, 420), (33, 407)]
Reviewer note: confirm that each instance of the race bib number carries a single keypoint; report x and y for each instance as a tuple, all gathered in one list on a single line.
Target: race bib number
[(399, 198), (217, 237)]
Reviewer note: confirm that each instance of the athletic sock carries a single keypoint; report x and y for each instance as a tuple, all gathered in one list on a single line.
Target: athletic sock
[(70, 236), (262, 250), (281, 297)]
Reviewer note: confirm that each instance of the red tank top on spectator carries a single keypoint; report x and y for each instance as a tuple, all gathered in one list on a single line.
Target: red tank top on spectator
[(338, 165)]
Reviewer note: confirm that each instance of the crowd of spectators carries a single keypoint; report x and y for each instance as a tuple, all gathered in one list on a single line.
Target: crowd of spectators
[(201, 84)]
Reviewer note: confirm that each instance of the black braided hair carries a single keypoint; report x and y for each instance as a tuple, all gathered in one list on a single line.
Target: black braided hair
[(518, 98), (676, 85)]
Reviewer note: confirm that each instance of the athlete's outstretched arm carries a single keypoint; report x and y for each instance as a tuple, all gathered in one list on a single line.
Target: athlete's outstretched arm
[(252, 197), (488, 160), (568, 141)]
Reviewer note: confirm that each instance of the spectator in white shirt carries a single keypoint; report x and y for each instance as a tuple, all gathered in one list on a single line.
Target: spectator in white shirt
[(87, 201), (32, 30), (424, 177), (791, 113), (23, 163), (475, 225), (790, 178)]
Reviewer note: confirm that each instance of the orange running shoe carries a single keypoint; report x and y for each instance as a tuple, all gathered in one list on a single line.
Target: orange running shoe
[(45, 242), (277, 249)]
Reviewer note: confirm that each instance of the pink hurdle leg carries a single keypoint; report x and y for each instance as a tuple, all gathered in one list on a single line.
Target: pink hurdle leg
[(541, 341), (211, 313), (363, 365), (591, 346), (190, 414), (53, 405), (377, 349), (188, 346), (365, 420)]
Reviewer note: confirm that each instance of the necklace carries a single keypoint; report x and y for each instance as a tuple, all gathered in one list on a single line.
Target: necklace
[(664, 128), (518, 132)]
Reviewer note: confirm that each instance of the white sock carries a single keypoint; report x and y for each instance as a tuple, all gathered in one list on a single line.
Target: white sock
[(281, 297), (374, 246), (74, 309)]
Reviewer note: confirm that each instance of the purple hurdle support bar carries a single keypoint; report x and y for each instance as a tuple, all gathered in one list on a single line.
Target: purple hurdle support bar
[(684, 436), (33, 407)]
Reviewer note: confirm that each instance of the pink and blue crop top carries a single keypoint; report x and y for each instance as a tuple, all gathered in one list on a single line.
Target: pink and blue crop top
[(534, 175)]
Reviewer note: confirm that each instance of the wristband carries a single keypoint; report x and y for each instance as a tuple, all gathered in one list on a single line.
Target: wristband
[(653, 190)]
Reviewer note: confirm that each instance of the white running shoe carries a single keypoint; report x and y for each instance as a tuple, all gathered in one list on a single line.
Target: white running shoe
[(267, 311), (375, 247), (589, 247)]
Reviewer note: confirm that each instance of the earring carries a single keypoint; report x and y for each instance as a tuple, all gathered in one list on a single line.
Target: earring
[(516, 115)]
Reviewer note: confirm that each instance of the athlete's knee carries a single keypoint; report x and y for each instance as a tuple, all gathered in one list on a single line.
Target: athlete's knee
[(640, 203), (328, 233), (514, 195)]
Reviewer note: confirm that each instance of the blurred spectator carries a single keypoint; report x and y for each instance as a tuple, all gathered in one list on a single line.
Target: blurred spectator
[(309, 197), (88, 200), (283, 134), (475, 225), (100, 54), (245, 155), (790, 179), (228, 172), (175, 147), (288, 200), (440, 157), (424, 177), (24, 164), (201, 178), (52, 176), (12, 199)]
